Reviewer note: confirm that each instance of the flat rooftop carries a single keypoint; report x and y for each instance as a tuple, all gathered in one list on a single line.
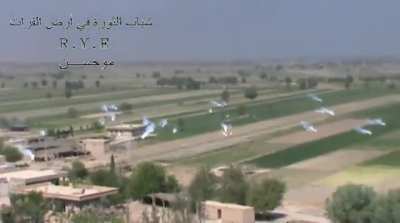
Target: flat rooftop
[(69, 193), (227, 205), (32, 176), (124, 127)]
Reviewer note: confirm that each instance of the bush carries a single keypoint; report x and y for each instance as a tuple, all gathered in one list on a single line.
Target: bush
[(72, 113), (267, 195), (125, 106), (242, 109), (386, 208), (150, 178), (156, 74), (49, 95), (233, 186), (251, 92), (181, 124), (351, 203), (78, 170), (225, 96), (203, 186), (11, 154)]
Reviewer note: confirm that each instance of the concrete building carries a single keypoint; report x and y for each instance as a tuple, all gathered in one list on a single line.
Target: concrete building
[(29, 177), (4, 193), (97, 147), (72, 198), (45, 148), (14, 181), (213, 211), (125, 131)]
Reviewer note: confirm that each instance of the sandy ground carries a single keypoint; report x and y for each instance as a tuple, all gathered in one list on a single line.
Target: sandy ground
[(315, 192), (215, 140), (325, 130), (382, 178)]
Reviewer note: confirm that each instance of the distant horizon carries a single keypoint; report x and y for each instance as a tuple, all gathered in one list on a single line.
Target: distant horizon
[(224, 30), (235, 61)]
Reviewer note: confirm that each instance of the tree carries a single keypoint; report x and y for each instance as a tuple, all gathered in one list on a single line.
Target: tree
[(202, 187), (44, 82), (11, 154), (109, 178), (241, 109), (97, 83), (96, 216), (181, 124), (263, 76), (251, 92), (68, 92), (156, 74), (77, 171), (288, 82), (112, 164), (125, 107), (72, 113), (54, 83), (386, 208), (212, 80), (351, 204), (266, 195), (233, 186), (225, 95), (34, 84), (7, 215), (105, 177), (49, 95), (348, 81), (150, 178), (31, 207), (71, 130), (181, 211)]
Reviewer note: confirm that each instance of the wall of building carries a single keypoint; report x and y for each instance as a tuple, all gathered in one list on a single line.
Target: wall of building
[(97, 147), (228, 213)]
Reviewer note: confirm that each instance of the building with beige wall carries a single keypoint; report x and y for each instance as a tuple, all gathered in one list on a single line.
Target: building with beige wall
[(72, 198), (126, 131), (29, 177), (97, 147), (227, 213)]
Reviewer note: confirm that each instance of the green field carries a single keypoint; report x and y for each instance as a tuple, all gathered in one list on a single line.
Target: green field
[(316, 148), (203, 123), (390, 159), (61, 119), (231, 154)]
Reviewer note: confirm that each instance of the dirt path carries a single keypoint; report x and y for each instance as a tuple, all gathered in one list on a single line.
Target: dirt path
[(324, 131), (211, 141)]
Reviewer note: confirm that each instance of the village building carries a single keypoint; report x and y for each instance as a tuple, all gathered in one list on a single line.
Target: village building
[(125, 131), (213, 211), (71, 198)]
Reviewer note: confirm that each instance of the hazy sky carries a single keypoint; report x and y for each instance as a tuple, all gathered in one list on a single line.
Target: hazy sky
[(211, 29)]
